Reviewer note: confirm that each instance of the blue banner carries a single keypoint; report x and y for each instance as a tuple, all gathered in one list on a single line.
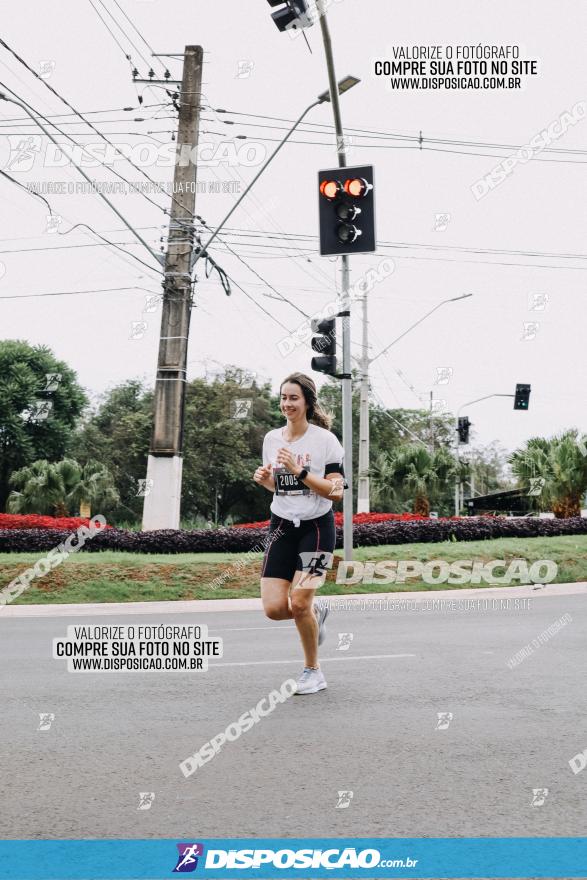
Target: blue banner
[(375, 857)]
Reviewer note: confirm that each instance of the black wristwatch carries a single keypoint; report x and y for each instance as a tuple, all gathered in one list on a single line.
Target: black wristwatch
[(303, 474)]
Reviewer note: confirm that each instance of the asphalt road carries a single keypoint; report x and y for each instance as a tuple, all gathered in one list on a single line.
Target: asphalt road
[(372, 732)]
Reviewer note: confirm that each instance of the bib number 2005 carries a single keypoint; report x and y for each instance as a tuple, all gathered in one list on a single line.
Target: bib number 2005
[(288, 484)]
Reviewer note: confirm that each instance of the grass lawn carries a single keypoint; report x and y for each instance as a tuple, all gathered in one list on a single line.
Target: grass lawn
[(134, 577)]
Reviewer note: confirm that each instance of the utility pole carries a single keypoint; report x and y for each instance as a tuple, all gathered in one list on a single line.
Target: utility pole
[(347, 391), (363, 489), (161, 509)]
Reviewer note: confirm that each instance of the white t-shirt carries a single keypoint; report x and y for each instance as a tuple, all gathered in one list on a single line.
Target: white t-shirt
[(320, 452)]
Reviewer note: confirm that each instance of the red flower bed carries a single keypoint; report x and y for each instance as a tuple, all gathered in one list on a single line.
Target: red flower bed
[(36, 521), (358, 519)]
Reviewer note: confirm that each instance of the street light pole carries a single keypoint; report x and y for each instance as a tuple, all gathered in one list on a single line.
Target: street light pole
[(347, 392), (457, 448), (202, 252), (363, 500)]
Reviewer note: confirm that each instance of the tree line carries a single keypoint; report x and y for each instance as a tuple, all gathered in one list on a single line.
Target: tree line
[(61, 454)]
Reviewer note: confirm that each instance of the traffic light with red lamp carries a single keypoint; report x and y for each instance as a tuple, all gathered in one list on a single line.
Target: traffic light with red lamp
[(346, 211)]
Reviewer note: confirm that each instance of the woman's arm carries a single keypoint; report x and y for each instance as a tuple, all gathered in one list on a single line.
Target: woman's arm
[(331, 486), (263, 477)]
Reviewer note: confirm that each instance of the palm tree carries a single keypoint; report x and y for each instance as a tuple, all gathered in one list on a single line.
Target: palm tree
[(413, 468), (37, 489), (557, 469), (94, 487), (59, 488)]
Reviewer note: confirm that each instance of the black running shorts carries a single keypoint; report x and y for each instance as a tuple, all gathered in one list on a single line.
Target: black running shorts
[(308, 547)]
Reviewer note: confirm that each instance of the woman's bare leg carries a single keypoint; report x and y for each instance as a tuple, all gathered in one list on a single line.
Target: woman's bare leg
[(302, 599), (275, 598)]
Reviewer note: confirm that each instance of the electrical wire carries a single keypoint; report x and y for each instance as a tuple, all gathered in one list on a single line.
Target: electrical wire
[(70, 292), (370, 133), (119, 26), (254, 271)]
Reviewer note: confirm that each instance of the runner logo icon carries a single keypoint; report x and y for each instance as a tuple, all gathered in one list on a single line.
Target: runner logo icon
[(187, 860)]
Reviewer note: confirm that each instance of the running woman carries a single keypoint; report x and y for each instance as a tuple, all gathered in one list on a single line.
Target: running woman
[(303, 469)]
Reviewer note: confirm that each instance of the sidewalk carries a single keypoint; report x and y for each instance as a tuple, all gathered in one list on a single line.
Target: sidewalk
[(199, 606)]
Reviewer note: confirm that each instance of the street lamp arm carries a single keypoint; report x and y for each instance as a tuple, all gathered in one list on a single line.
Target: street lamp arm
[(202, 251), (487, 396), (423, 318), (158, 257)]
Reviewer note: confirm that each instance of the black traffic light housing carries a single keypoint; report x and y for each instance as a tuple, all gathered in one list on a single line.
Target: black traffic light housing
[(522, 397), (463, 429), (346, 201), (325, 344), (294, 14)]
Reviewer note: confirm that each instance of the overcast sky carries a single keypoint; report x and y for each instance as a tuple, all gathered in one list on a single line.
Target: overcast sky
[(539, 209)]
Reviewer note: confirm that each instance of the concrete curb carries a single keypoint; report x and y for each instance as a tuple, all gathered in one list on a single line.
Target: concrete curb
[(199, 606)]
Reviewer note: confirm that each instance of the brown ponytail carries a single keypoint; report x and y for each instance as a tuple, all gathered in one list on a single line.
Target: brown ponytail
[(316, 415)]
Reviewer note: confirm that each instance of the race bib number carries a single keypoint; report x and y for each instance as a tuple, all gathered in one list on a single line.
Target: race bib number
[(287, 483)]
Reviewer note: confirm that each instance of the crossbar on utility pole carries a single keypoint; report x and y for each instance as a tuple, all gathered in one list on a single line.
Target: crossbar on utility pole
[(161, 508)]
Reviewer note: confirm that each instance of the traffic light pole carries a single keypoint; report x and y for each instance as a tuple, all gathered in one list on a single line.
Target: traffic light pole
[(363, 503), (458, 474), (161, 508), (347, 400)]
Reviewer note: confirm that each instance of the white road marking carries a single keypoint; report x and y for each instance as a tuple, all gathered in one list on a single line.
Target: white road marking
[(322, 660)]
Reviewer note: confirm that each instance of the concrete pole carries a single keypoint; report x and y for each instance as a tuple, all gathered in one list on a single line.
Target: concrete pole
[(161, 508)]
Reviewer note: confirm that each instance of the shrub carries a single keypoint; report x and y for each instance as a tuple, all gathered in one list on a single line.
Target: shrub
[(233, 540)]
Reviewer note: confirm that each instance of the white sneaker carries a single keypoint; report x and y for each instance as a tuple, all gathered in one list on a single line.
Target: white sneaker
[(321, 610), (311, 681)]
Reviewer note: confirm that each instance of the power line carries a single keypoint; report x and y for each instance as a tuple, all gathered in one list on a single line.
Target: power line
[(93, 112), (26, 189), (30, 124), (370, 133), (70, 292), (69, 137), (121, 29), (266, 234), (58, 247), (254, 271), (262, 207), (148, 45), (416, 146), (259, 306)]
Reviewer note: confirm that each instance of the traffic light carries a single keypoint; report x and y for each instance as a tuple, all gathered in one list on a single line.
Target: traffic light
[(522, 397), (325, 343), (463, 429), (347, 211), (294, 14)]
